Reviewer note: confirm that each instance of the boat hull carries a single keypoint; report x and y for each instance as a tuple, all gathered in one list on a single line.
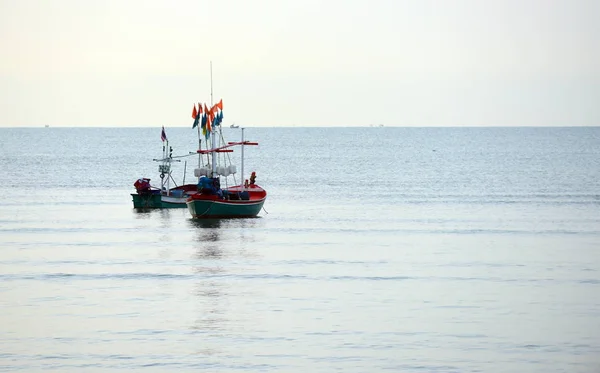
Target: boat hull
[(249, 204), (200, 209), (157, 201), (146, 201)]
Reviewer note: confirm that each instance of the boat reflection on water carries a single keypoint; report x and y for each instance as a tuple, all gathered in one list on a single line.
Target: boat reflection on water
[(145, 213), (206, 223), (211, 290), (209, 236), (221, 245)]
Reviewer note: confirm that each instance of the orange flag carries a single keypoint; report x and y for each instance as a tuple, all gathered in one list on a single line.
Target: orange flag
[(220, 104), (199, 108), (194, 112)]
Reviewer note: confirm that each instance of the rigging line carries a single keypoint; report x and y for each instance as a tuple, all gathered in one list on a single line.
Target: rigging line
[(227, 154), (171, 176)]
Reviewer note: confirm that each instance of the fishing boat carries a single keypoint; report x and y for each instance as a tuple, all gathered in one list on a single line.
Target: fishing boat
[(169, 194), (214, 200), (220, 194)]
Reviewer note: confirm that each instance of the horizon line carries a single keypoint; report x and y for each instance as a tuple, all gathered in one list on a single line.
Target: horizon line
[(319, 126)]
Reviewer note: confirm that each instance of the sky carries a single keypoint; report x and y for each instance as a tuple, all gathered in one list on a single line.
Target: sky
[(130, 63)]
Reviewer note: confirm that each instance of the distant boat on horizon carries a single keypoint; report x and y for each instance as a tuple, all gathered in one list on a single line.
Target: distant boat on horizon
[(234, 126), (47, 125)]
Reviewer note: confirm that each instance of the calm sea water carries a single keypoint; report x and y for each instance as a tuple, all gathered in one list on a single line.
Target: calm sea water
[(400, 249)]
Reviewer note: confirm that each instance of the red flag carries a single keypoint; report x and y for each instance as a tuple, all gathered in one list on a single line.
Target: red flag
[(199, 108), (220, 104), (209, 120), (194, 112)]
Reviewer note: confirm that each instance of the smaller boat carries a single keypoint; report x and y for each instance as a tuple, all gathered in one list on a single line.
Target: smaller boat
[(234, 126), (165, 196)]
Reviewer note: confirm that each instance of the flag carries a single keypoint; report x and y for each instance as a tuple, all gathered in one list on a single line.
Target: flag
[(220, 104), (218, 118), (196, 116), (199, 108), (215, 108), (203, 125), (163, 135)]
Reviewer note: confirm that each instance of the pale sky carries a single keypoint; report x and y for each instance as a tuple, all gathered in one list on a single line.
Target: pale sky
[(304, 63)]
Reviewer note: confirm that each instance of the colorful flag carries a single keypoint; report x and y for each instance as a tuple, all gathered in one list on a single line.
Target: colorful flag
[(209, 120), (220, 104), (199, 108), (196, 116), (163, 135)]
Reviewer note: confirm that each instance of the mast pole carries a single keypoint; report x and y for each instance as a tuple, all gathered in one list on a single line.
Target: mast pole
[(243, 181), (212, 130), (199, 146), (168, 163)]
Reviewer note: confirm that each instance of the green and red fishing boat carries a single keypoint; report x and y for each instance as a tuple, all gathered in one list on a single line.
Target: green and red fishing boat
[(216, 197), (243, 200)]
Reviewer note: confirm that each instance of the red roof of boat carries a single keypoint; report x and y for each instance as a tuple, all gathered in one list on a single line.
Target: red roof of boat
[(223, 149)]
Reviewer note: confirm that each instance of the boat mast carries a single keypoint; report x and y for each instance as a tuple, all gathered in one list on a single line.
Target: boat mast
[(211, 86), (243, 183), (166, 168), (199, 146), (212, 135)]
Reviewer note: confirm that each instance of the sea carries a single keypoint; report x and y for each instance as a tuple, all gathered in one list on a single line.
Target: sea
[(378, 249)]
